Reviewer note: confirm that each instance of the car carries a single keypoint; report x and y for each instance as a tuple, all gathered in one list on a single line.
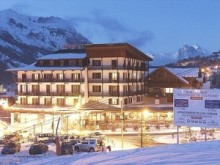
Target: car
[(91, 145), (11, 148), (45, 138), (66, 148), (25, 134), (14, 137), (38, 148), (96, 135)]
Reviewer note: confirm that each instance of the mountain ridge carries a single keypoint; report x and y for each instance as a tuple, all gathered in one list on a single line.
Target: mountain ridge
[(25, 38)]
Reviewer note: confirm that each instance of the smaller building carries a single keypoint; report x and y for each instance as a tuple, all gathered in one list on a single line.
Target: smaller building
[(162, 81)]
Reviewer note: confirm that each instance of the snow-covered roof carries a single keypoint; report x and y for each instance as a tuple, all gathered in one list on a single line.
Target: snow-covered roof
[(184, 72), (33, 67), (180, 73), (60, 56)]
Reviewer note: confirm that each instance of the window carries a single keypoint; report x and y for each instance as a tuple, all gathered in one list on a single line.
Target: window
[(75, 76), (125, 89), (48, 76), (96, 62), (60, 88), (35, 101), (96, 75), (169, 90), (60, 101), (161, 75), (23, 88), (60, 76), (96, 88), (75, 88), (125, 76), (23, 101), (47, 101), (23, 77), (35, 89), (113, 101), (113, 89), (35, 77), (114, 64), (47, 89), (114, 76)]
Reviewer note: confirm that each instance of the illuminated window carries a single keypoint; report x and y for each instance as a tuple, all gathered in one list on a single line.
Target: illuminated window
[(169, 90), (113, 101), (60, 76), (75, 76)]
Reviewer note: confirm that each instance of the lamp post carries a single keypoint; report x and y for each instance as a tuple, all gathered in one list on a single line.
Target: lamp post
[(141, 129), (122, 125), (144, 114)]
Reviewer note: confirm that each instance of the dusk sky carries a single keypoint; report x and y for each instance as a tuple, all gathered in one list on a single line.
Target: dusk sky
[(150, 25)]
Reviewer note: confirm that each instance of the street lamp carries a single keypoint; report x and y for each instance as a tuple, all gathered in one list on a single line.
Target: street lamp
[(144, 114), (122, 125)]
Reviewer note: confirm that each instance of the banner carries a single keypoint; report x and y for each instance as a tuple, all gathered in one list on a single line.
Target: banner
[(197, 107)]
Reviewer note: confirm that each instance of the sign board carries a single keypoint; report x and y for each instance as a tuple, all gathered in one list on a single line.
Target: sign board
[(197, 107)]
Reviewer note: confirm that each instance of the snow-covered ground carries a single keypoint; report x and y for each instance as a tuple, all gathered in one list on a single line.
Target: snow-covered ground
[(193, 153)]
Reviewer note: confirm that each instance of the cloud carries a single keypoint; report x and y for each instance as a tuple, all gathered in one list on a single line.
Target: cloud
[(100, 28)]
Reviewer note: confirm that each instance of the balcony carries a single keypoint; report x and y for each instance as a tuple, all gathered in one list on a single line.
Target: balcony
[(50, 94), (120, 67), (124, 80), (116, 94), (51, 80)]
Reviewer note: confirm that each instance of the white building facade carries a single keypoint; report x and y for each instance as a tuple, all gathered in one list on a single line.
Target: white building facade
[(60, 84)]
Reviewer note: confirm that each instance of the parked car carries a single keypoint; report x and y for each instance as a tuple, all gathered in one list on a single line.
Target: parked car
[(38, 148), (91, 145), (96, 135), (26, 135), (14, 137), (66, 148), (45, 138), (11, 148)]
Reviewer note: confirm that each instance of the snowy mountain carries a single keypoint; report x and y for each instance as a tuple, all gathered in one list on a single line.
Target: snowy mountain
[(24, 38), (189, 51), (185, 52)]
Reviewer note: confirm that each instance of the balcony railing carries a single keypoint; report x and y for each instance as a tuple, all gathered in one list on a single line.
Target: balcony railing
[(51, 80), (121, 94), (120, 67), (116, 81), (50, 93)]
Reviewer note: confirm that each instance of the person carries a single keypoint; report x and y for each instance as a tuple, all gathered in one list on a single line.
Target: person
[(102, 144)]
